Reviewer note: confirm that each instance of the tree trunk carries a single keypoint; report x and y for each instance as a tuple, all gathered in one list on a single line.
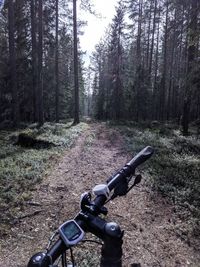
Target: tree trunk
[(76, 85), (164, 72), (13, 73), (139, 33), (34, 62), (152, 40), (172, 69), (56, 67), (149, 30), (138, 61), (155, 86), (192, 47), (40, 63)]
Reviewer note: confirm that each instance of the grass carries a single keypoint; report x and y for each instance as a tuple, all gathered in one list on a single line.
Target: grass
[(174, 168), (22, 168)]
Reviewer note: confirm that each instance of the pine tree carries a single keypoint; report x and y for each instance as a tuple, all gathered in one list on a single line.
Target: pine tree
[(13, 70)]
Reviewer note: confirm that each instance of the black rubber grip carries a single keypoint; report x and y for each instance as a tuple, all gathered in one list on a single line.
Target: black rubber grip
[(141, 157), (129, 168)]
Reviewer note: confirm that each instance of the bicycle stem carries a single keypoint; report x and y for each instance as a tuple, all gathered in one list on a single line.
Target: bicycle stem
[(110, 233), (111, 253)]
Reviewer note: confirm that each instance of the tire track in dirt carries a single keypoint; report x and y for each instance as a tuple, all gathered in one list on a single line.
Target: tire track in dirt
[(147, 220)]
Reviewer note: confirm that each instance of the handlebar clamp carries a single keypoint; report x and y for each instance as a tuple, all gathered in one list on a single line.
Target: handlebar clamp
[(101, 190), (40, 259)]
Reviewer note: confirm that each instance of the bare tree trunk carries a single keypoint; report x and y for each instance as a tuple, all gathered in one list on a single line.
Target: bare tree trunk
[(172, 69), (76, 85), (139, 33), (180, 67), (155, 87), (40, 63), (164, 72), (152, 40), (148, 36), (13, 73), (34, 61), (138, 60), (192, 47), (56, 67), (118, 100)]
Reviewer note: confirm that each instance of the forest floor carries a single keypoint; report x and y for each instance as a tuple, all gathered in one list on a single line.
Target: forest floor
[(149, 220)]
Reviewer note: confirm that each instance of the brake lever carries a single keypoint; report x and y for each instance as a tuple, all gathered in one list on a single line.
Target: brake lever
[(123, 189), (138, 179)]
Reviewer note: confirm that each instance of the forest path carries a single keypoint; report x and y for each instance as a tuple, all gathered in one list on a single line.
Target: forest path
[(147, 220)]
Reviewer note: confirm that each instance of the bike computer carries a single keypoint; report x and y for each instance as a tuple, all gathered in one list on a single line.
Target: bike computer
[(71, 233)]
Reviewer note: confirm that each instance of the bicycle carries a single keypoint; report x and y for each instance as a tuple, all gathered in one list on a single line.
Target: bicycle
[(89, 219)]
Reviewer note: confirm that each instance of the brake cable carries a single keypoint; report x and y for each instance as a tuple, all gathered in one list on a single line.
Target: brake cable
[(92, 241), (71, 250), (51, 240)]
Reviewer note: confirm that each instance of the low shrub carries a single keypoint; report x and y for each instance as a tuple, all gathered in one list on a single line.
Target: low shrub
[(23, 167)]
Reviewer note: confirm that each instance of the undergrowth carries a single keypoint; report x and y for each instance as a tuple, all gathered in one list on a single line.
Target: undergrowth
[(174, 168), (22, 168), (88, 258)]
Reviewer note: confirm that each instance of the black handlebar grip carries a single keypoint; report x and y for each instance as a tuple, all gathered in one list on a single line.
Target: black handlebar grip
[(129, 168), (141, 157)]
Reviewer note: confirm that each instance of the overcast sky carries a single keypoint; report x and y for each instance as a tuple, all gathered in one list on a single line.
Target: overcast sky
[(96, 27)]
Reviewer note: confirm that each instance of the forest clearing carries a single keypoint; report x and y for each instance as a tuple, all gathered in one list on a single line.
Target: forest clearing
[(160, 216)]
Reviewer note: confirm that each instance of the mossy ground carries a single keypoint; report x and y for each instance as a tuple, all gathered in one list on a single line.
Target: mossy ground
[(174, 168), (22, 168)]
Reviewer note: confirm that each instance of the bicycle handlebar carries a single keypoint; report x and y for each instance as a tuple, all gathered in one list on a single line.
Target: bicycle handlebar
[(117, 180), (141, 157), (129, 168)]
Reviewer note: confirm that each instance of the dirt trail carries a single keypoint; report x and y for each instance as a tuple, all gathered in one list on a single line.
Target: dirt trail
[(147, 220)]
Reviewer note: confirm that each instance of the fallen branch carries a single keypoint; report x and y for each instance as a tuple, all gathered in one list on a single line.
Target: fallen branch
[(27, 215), (26, 236), (32, 203)]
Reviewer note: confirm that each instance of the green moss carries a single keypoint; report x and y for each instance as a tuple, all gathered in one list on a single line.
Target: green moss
[(175, 165), (22, 168)]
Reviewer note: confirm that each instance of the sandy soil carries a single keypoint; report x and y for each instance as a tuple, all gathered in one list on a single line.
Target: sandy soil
[(147, 219)]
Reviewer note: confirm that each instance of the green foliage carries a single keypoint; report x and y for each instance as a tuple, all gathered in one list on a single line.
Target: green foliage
[(22, 168), (89, 260), (90, 139), (85, 258)]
